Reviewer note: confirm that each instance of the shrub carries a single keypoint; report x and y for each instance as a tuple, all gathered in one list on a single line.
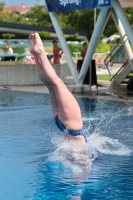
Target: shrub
[(44, 34)]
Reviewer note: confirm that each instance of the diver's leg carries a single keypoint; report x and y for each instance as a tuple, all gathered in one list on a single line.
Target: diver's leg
[(69, 111), (51, 93), (68, 108)]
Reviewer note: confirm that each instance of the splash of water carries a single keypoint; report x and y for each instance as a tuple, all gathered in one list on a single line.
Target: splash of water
[(66, 154), (72, 156), (105, 144), (108, 145)]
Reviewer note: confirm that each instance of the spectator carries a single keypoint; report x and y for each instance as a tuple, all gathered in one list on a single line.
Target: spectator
[(10, 52), (9, 49), (56, 52), (84, 50)]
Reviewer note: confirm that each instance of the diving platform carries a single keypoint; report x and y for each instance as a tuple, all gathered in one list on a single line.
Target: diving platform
[(113, 8), (122, 75)]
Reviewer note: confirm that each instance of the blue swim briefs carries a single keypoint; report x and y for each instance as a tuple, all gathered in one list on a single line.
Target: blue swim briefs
[(65, 129)]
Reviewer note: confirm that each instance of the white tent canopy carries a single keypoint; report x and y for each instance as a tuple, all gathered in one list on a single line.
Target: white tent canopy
[(111, 38)]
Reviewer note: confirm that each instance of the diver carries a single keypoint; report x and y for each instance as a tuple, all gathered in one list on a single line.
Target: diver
[(66, 111)]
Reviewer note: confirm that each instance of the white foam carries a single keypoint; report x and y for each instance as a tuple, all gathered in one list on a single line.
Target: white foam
[(67, 157), (108, 145), (89, 119), (66, 154)]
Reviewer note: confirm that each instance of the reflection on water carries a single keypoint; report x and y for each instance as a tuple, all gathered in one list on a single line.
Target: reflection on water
[(36, 162)]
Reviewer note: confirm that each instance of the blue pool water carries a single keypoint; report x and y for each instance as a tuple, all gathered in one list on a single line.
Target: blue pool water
[(33, 164)]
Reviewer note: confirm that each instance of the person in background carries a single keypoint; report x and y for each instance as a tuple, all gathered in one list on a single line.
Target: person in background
[(9, 49), (83, 53), (10, 52), (84, 50), (56, 52)]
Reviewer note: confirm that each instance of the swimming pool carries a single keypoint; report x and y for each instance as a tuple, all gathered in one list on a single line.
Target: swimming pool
[(31, 167)]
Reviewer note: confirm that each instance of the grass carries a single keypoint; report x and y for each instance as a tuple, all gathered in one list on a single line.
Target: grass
[(49, 48), (104, 77), (103, 48)]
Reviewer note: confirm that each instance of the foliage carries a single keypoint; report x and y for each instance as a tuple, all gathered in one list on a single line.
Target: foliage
[(41, 16), (72, 37), (18, 50), (129, 14), (44, 34), (103, 47), (100, 48), (8, 35), (115, 41), (79, 20), (110, 28), (74, 47), (2, 6)]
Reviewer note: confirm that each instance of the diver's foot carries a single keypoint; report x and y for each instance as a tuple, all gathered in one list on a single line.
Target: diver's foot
[(36, 45)]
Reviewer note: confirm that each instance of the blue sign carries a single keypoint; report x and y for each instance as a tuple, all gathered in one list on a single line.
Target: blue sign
[(67, 5)]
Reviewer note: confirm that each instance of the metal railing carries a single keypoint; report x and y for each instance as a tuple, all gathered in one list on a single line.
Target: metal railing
[(120, 70), (111, 59)]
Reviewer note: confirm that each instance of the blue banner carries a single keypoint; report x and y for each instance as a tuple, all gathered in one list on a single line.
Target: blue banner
[(68, 5)]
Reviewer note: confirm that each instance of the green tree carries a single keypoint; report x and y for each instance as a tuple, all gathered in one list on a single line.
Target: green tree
[(110, 28), (44, 34), (38, 15), (10, 17), (75, 47), (19, 19), (129, 14), (72, 37), (8, 35), (80, 20), (2, 6)]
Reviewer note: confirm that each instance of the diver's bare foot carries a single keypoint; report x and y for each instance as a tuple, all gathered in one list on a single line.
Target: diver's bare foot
[(36, 45)]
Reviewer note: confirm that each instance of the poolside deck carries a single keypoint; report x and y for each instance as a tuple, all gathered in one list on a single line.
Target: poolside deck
[(104, 90)]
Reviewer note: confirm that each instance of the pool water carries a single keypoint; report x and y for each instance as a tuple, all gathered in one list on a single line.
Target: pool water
[(33, 164)]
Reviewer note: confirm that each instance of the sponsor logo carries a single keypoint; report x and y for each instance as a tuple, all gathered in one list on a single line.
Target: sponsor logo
[(106, 2), (65, 2), (101, 2)]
